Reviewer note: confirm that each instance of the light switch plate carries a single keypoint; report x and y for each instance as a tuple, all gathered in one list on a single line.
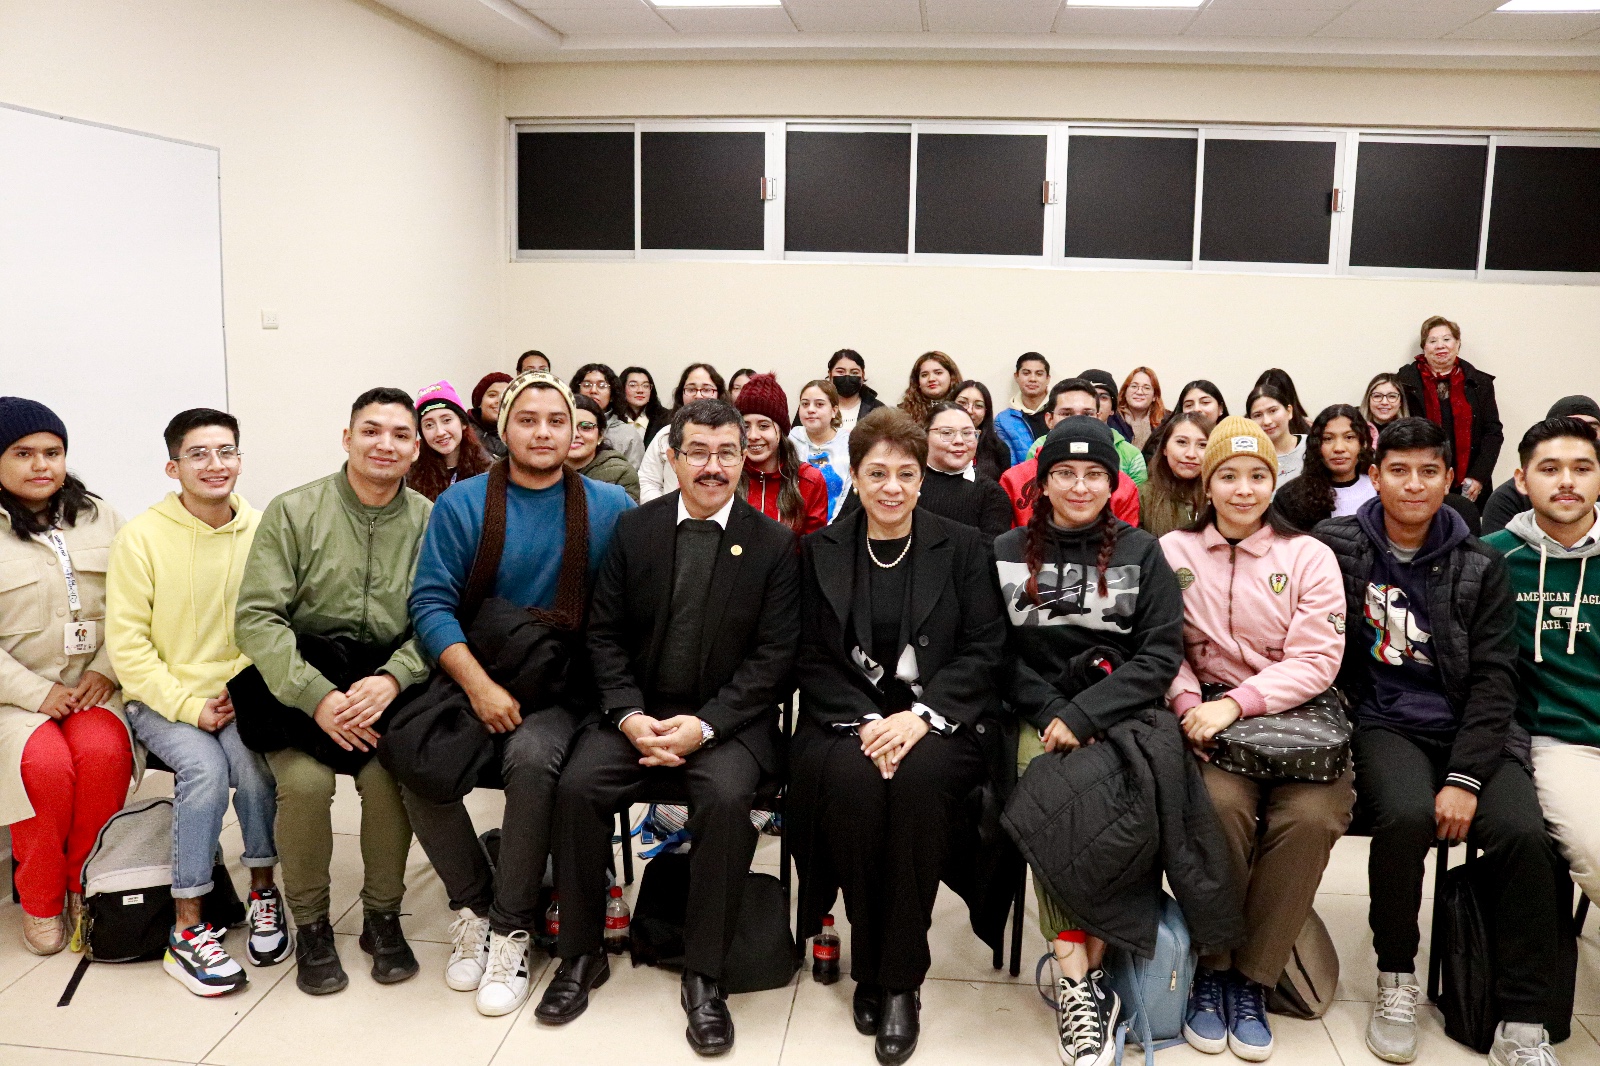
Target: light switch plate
[(269, 320)]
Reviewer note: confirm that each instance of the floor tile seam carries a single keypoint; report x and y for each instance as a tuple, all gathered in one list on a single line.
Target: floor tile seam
[(286, 971), (96, 1054), (38, 960)]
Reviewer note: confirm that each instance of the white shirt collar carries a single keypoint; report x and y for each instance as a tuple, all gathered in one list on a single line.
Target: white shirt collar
[(720, 518)]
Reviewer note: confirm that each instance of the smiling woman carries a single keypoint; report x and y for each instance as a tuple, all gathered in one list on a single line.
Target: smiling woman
[(451, 450), (1335, 479)]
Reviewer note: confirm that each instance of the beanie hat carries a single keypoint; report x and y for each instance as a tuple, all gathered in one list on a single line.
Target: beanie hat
[(1080, 438), (483, 385), (440, 394), (21, 417), (762, 395), (1236, 435), (542, 378), (1100, 379), (1571, 406)]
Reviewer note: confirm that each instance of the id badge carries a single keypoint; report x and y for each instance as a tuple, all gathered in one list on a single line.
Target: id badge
[(81, 638)]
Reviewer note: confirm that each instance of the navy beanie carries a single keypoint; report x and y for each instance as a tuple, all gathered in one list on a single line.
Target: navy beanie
[(1080, 438), (21, 417)]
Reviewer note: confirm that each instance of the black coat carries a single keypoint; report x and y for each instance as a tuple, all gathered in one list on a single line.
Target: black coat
[(1100, 825), (750, 635), (1488, 435)]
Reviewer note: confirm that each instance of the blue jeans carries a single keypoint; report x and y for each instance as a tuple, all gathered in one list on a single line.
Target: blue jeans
[(205, 767)]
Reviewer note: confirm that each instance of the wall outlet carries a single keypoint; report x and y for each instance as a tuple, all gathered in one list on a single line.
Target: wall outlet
[(269, 320)]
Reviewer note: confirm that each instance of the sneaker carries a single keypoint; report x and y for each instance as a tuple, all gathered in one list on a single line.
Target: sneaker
[(382, 938), (505, 984), (270, 941), (469, 951), (1086, 1020), (318, 971), (1249, 1035), (1205, 1026), (1521, 1044), (1392, 1030), (43, 936), (196, 959)]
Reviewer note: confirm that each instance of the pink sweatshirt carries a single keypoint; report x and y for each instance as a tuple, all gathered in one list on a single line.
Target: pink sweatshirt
[(1265, 618)]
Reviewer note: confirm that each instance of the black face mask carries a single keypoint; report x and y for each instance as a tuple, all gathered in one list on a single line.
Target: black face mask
[(847, 384)]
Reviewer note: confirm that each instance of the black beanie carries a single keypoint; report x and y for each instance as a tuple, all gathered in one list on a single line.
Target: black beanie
[(1569, 406), (21, 417), (1082, 438), (1100, 379)]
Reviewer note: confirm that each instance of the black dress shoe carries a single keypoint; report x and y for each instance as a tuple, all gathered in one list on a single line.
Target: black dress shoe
[(392, 960), (897, 1033), (318, 971), (866, 1007), (568, 994), (710, 1029)]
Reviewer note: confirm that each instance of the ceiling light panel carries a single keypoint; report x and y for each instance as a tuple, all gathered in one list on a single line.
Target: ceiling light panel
[(1135, 3), (1550, 5), (717, 3)]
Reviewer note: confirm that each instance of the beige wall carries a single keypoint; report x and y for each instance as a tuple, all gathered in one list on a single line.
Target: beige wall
[(1331, 333), (360, 189)]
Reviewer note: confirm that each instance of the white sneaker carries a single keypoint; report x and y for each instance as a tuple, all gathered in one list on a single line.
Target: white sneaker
[(1392, 1029), (1521, 1044), (469, 951), (505, 985)]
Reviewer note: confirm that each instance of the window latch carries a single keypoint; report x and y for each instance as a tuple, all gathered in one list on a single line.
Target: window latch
[(1338, 200), (1052, 192), (769, 188)]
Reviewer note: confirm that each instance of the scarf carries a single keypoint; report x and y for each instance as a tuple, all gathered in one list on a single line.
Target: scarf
[(1460, 410), (571, 587)]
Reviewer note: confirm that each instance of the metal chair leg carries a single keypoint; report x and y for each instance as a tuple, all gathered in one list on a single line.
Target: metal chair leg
[(1017, 907), (1435, 955), (627, 846)]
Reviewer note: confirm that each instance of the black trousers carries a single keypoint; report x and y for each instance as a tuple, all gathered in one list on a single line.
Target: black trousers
[(603, 774), (531, 757), (888, 841), (1397, 777)]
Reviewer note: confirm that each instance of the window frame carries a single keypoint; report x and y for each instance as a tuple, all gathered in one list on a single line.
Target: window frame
[(513, 195), (1003, 129), (1058, 249), (1539, 277), (1353, 193), (1338, 237), (907, 128)]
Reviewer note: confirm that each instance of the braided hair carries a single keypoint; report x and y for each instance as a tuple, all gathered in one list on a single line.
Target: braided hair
[(1039, 531)]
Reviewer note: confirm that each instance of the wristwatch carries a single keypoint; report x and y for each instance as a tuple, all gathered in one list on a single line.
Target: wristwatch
[(707, 734)]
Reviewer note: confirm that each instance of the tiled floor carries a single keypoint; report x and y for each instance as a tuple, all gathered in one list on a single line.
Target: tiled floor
[(135, 1015)]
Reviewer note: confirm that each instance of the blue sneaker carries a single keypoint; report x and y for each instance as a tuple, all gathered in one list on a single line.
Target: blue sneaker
[(1249, 1035), (1204, 1026)]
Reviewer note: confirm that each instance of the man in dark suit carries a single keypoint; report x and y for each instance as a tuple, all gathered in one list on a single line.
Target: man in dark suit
[(693, 632)]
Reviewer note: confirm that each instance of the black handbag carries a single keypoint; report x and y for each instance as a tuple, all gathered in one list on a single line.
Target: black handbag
[(1466, 997), (1310, 742)]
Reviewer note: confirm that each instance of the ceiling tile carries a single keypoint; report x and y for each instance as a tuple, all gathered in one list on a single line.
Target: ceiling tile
[(1395, 25), (1278, 5), (1099, 20), (1515, 26), (537, 6), (848, 16), (603, 20), (728, 20), (991, 16), (1214, 23)]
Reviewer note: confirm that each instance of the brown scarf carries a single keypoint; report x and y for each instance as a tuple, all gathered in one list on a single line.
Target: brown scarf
[(568, 611), (1460, 410)]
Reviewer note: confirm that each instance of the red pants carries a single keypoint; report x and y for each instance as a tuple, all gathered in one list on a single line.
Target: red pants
[(76, 771)]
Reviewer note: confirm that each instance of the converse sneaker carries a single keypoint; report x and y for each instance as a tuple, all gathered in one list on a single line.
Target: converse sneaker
[(1205, 1026), (1392, 1029), (270, 941), (1521, 1044), (1086, 1020), (195, 958), (1249, 1035), (505, 985), (469, 951)]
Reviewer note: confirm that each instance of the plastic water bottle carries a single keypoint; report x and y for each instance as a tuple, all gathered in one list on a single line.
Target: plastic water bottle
[(825, 953), (552, 917), (618, 921)]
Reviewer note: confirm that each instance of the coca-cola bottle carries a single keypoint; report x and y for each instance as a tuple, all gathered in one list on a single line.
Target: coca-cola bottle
[(552, 917), (825, 953), (618, 921)]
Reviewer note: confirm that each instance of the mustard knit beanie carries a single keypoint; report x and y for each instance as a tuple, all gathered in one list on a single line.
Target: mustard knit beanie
[(1236, 435)]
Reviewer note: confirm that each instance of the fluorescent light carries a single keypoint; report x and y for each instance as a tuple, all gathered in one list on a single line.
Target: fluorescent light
[(717, 3), (1135, 3), (1549, 5)]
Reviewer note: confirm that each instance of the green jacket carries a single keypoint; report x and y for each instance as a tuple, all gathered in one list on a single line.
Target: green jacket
[(1558, 665), (322, 562), (1130, 458), (612, 466)]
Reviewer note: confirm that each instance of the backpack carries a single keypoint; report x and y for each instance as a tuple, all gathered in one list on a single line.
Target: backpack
[(1154, 991), (1466, 998), (1305, 990)]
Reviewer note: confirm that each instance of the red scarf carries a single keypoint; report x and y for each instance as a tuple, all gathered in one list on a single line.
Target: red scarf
[(1460, 410)]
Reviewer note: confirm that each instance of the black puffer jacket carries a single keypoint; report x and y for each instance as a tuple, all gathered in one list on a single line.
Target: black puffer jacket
[(1100, 825)]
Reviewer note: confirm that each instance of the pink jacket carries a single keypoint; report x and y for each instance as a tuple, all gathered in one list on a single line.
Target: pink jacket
[(1265, 618)]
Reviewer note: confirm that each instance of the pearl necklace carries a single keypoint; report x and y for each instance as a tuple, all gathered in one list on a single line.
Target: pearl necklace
[(898, 559)]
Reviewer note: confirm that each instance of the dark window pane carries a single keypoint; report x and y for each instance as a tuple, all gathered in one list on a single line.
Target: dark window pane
[(1131, 197), (980, 194), (1418, 205), (847, 192), (575, 191), (702, 190), (1267, 201), (1544, 213)]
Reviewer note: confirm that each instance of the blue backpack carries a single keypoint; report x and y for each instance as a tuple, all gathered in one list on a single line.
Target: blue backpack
[(1154, 992)]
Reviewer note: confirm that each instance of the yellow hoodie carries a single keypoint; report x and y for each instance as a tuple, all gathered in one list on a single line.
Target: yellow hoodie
[(171, 590)]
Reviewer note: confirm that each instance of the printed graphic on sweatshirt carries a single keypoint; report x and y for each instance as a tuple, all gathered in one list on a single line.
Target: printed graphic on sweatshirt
[(1071, 596), (1398, 637)]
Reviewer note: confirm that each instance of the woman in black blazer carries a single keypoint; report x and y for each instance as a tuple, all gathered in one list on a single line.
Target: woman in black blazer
[(902, 633)]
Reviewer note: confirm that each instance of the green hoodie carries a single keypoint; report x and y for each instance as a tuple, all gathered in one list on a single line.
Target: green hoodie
[(325, 563), (1559, 661)]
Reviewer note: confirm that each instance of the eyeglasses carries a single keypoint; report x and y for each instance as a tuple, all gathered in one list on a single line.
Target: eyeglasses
[(704, 391), (587, 427), (1094, 479), (700, 457), (949, 435), (202, 456)]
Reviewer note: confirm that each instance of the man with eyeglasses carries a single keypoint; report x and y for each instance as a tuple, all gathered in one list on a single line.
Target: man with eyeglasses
[(172, 587), (693, 631), (1069, 398)]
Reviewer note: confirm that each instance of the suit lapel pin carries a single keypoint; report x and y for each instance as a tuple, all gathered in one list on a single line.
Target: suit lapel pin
[(736, 550)]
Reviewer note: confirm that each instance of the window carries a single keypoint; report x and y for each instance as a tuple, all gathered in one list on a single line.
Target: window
[(575, 190), (1418, 204), (1544, 212), (1268, 198), (702, 189), (981, 193), (847, 190), (1130, 195)]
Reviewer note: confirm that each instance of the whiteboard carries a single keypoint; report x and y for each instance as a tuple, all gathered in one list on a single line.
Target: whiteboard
[(110, 291)]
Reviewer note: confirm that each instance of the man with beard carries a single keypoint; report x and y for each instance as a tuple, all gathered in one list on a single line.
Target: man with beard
[(689, 689)]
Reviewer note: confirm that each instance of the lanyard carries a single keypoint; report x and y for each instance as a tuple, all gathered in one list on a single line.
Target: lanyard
[(53, 538)]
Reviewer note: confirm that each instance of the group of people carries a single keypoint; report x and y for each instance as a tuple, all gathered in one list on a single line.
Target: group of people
[(1076, 605)]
